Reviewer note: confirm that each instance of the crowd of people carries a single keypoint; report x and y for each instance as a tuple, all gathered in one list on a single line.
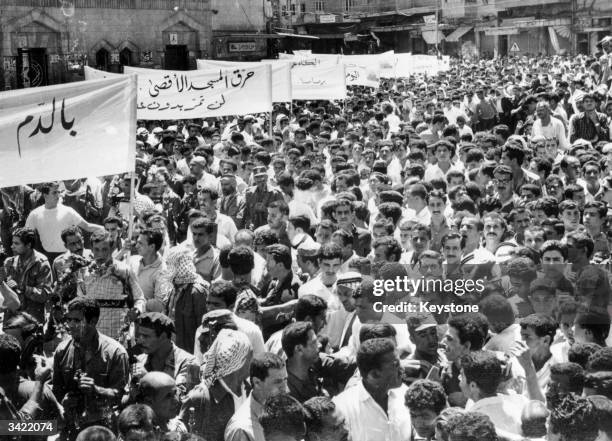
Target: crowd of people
[(244, 282)]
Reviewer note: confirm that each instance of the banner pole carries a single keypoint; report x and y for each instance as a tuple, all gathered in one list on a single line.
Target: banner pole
[(270, 130), (131, 206)]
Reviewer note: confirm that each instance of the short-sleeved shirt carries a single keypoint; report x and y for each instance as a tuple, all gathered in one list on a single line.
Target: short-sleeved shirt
[(50, 222)]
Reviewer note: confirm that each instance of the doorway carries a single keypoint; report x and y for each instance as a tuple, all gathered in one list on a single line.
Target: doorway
[(32, 68), (177, 58)]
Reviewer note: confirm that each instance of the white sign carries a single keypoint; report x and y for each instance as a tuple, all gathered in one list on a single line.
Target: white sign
[(167, 94), (68, 131), (330, 18), (502, 31), (173, 38), (247, 46), (319, 82), (429, 19), (515, 48), (281, 75)]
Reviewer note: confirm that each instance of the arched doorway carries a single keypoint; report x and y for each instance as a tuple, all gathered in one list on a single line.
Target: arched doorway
[(102, 59), (125, 57)]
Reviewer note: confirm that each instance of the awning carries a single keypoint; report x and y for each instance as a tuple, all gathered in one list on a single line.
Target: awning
[(430, 37), (458, 33), (284, 34)]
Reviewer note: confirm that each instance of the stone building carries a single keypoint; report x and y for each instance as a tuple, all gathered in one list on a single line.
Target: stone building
[(47, 42)]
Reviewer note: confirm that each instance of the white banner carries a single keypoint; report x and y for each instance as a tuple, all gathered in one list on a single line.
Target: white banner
[(281, 75), (68, 131), (95, 74), (409, 64), (167, 94), (319, 82)]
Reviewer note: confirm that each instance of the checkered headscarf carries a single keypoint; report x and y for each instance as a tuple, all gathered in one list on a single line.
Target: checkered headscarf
[(181, 268), (228, 354)]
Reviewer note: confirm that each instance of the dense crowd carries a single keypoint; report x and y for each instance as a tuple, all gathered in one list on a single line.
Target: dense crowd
[(306, 278)]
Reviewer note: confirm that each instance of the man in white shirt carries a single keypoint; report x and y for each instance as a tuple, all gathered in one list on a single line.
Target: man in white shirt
[(207, 198), (444, 152), (480, 377), (538, 332), (374, 409), (549, 127), (52, 218), (323, 284), (198, 169)]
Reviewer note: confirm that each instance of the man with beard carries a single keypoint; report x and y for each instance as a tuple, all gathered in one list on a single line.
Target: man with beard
[(323, 421), (278, 212), (381, 388)]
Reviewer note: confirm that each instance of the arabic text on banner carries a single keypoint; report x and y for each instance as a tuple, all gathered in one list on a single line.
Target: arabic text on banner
[(281, 75), (319, 82), (166, 94), (68, 131)]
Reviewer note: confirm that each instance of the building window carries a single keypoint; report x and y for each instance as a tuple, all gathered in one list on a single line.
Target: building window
[(292, 8), (302, 8), (319, 5), (349, 4)]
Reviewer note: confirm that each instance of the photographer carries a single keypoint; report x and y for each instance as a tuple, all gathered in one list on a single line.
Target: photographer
[(90, 370)]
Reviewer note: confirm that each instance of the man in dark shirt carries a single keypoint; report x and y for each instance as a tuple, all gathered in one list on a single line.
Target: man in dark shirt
[(311, 373), (284, 285), (90, 370), (258, 198), (154, 331)]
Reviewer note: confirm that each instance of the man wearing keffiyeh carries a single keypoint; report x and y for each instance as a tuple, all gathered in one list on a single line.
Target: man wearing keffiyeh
[(226, 367)]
